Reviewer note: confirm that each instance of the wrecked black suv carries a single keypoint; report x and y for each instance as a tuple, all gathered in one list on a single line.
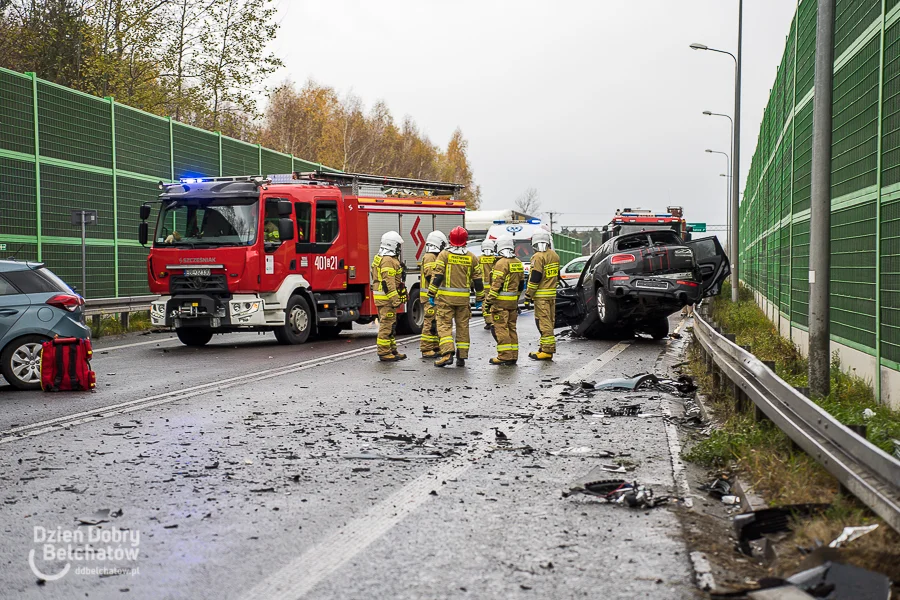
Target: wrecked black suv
[(633, 282)]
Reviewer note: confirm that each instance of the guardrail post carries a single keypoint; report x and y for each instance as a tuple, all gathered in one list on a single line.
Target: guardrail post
[(124, 318)]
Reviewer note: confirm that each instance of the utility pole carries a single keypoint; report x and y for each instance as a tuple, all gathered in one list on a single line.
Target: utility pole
[(736, 162), (820, 206)]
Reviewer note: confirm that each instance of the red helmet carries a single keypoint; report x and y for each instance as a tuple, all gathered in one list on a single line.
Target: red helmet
[(458, 236)]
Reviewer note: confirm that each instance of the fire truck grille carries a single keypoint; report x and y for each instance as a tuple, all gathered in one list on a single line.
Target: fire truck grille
[(208, 284)]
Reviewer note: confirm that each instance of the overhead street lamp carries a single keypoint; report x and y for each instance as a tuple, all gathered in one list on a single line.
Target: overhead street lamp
[(728, 178), (730, 185), (735, 148)]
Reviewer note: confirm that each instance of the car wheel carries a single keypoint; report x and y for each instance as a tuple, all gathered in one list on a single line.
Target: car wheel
[(658, 328), (410, 322), (607, 308), (297, 322), (20, 362), (194, 336)]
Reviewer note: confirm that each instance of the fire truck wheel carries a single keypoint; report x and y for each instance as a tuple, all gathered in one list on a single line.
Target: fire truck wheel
[(298, 322), (410, 322), (194, 336)]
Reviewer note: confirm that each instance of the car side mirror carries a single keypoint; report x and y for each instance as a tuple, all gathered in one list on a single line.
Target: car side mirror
[(284, 208), (285, 229), (145, 212), (143, 232)]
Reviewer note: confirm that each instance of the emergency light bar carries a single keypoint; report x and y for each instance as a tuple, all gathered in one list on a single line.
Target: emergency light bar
[(355, 180), (529, 221)]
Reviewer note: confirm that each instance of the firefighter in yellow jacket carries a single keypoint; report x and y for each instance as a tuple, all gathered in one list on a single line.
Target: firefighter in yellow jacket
[(541, 290), (388, 289), (507, 282), (434, 243), (487, 259), (456, 272)]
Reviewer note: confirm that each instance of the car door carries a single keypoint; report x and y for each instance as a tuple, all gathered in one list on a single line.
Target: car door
[(712, 262), (13, 305)]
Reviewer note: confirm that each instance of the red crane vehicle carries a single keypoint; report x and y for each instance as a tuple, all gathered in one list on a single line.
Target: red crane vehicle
[(633, 220), (285, 253)]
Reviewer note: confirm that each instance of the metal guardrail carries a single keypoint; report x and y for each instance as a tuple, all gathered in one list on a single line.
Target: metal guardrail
[(125, 304), (865, 470)]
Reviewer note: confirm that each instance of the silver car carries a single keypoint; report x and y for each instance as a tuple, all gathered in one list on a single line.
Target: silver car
[(35, 306)]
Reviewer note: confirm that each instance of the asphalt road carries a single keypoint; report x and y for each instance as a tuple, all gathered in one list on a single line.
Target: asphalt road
[(250, 470)]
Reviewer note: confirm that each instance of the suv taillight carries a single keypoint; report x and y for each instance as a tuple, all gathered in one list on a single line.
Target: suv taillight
[(618, 259), (66, 302)]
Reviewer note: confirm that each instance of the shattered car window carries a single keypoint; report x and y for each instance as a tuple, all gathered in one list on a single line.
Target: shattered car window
[(651, 238)]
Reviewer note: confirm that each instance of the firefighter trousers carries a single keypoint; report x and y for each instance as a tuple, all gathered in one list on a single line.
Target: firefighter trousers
[(387, 330), (505, 320), (447, 314), (544, 317), (430, 339)]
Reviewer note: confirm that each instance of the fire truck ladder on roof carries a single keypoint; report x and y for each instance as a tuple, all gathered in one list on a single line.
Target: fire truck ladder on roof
[(381, 186)]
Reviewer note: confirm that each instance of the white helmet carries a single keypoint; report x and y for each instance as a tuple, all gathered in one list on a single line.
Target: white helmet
[(541, 240), (390, 244), (506, 247), (488, 247), (435, 242)]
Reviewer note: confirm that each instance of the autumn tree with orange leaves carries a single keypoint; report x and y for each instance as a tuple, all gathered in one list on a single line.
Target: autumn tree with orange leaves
[(314, 123)]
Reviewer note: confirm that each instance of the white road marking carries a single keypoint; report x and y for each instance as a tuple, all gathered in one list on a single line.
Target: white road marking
[(147, 343), (104, 412), (703, 571), (316, 564)]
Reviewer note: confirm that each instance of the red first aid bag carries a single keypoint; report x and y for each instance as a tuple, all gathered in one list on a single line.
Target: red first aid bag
[(65, 365)]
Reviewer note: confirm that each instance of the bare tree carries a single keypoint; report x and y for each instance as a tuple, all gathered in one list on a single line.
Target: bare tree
[(529, 203)]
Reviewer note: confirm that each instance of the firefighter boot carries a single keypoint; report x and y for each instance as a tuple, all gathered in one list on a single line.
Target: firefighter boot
[(444, 360), (539, 355), (388, 358), (399, 356), (500, 361), (460, 362), (430, 354)]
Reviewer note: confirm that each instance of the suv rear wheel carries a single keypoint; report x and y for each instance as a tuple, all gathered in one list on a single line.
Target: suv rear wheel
[(20, 362), (607, 307), (297, 322), (194, 336)]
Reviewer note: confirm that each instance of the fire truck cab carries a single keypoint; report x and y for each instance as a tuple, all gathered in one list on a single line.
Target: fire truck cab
[(634, 220), (285, 253)]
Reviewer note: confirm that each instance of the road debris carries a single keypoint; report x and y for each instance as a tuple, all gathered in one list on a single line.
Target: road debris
[(752, 525), (851, 533), (718, 488), (100, 516), (623, 410), (645, 381), (583, 452), (619, 491)]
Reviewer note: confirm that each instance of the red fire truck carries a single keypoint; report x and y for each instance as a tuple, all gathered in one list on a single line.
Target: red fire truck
[(285, 253), (632, 220)]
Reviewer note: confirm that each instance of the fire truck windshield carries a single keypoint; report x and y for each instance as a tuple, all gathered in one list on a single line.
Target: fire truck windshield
[(197, 223)]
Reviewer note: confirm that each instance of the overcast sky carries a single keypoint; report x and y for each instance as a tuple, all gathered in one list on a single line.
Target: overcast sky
[(597, 104)]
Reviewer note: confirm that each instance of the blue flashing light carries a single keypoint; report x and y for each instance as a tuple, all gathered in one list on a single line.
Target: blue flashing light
[(534, 221), (500, 222)]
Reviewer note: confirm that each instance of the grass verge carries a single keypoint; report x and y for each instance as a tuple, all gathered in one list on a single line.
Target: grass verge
[(850, 394), (112, 325)]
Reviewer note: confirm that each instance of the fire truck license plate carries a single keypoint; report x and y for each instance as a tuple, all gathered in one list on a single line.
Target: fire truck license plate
[(197, 272)]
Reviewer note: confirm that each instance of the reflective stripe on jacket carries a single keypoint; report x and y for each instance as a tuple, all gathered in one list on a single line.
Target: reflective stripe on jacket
[(547, 264), (387, 281), (457, 275), (506, 282)]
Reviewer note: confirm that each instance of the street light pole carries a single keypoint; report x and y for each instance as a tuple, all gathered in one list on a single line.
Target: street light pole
[(820, 205), (727, 196), (735, 151), (730, 182)]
